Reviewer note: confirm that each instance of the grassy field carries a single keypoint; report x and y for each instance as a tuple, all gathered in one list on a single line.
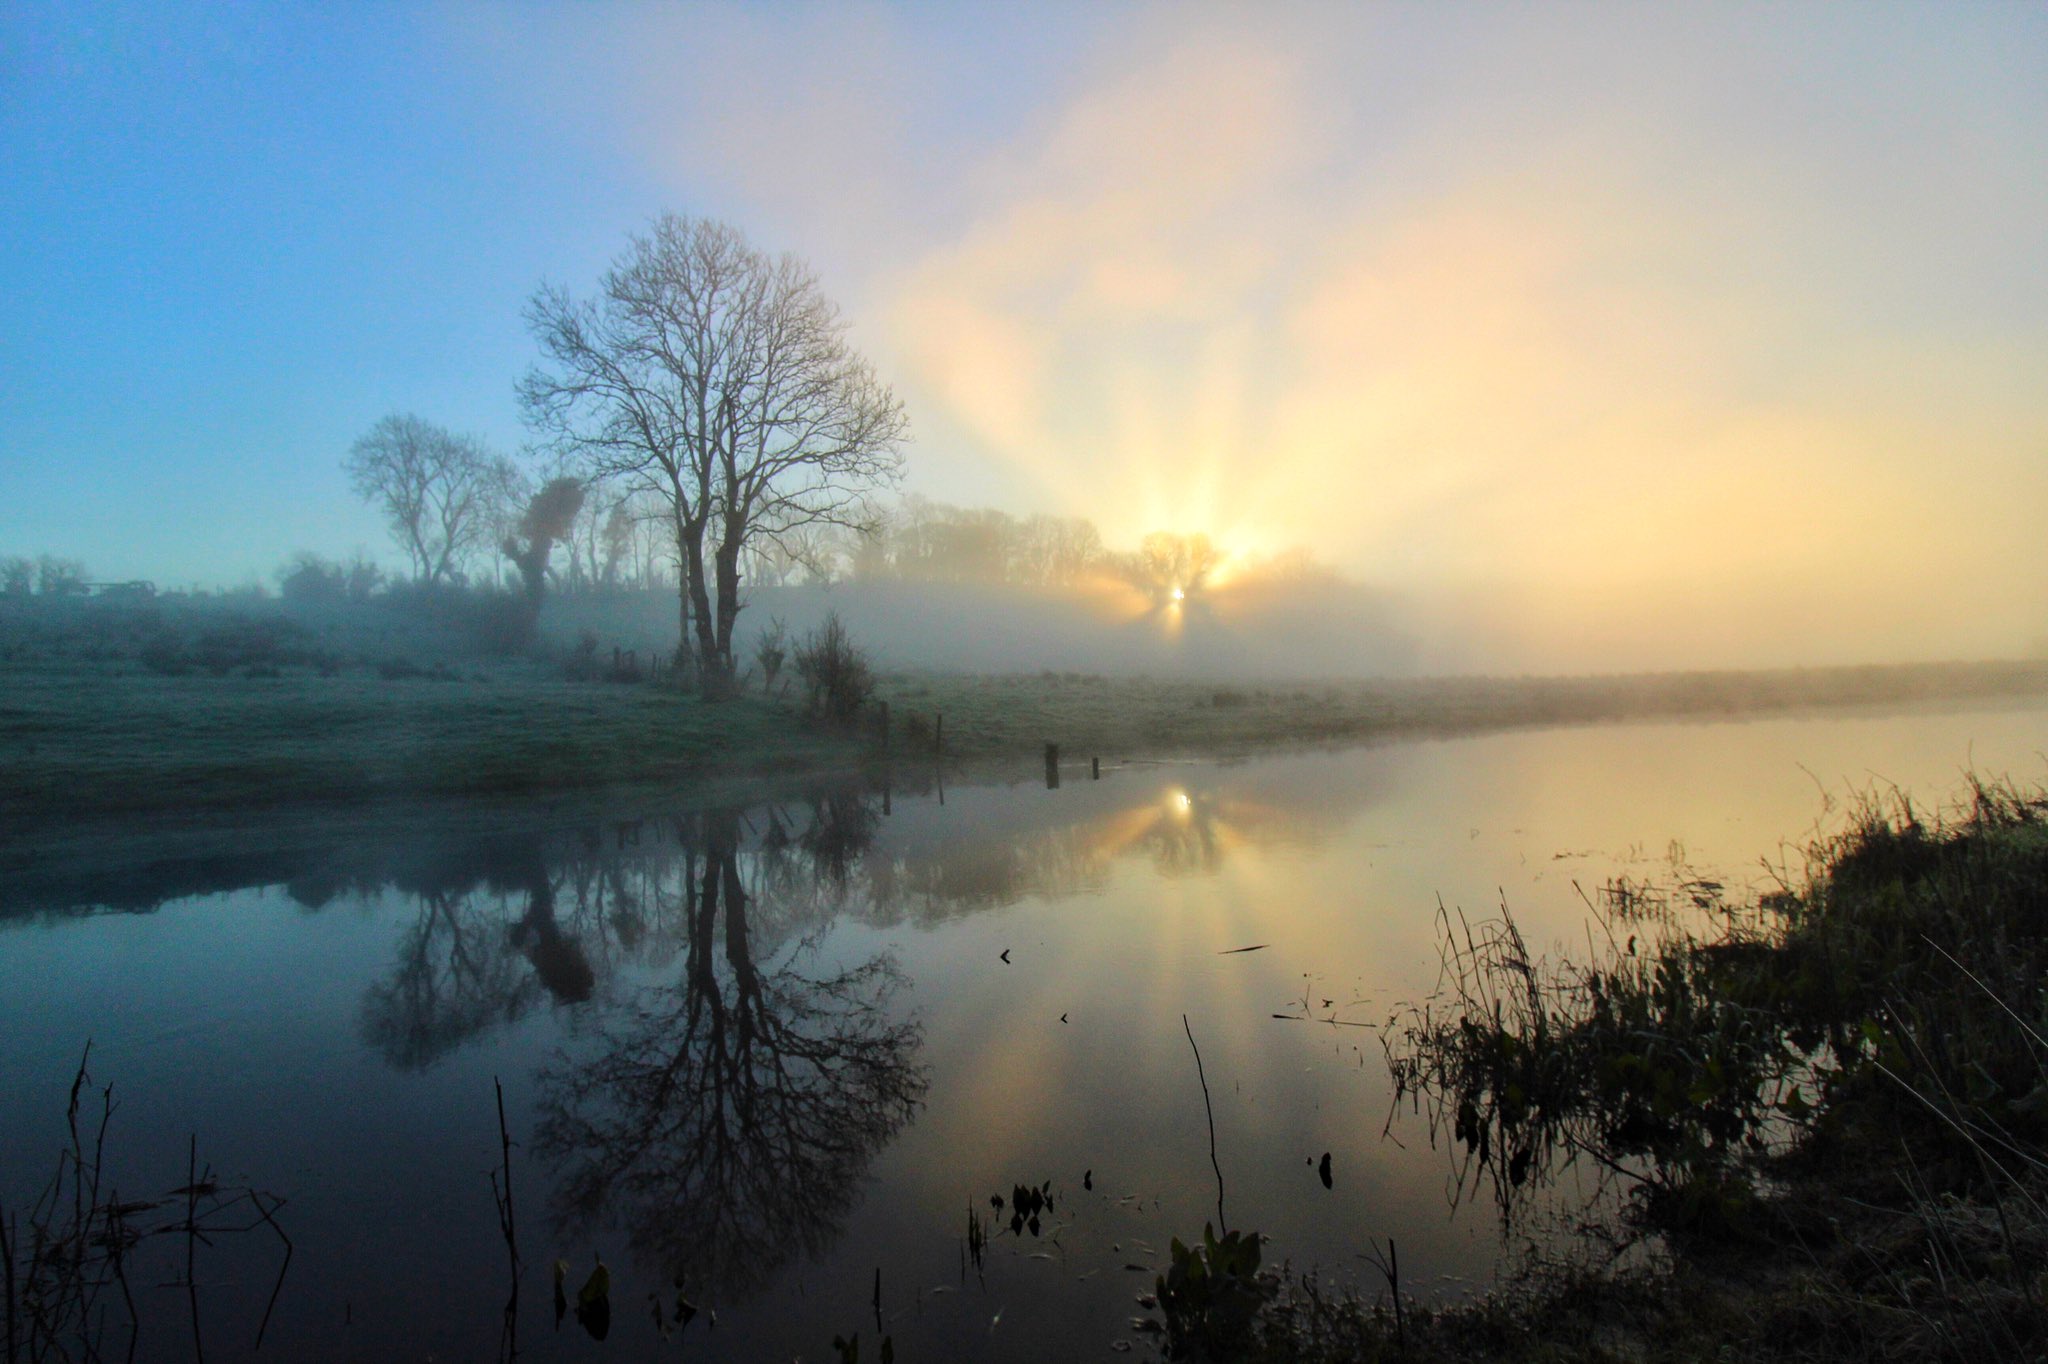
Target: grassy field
[(79, 744), (1009, 716), (88, 737)]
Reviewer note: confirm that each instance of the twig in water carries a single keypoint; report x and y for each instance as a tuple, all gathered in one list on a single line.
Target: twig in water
[(275, 1288), (7, 1257), (506, 1225), (1221, 1222), (192, 1242)]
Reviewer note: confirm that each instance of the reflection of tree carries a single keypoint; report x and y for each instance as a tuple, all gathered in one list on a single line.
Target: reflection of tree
[(459, 968), (987, 872), (454, 977), (1183, 835), (726, 1121)]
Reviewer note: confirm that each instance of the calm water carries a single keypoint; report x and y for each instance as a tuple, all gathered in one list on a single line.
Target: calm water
[(775, 1050)]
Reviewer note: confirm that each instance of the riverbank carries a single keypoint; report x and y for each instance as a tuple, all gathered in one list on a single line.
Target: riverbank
[(81, 745), (1011, 716), (1828, 1123), (84, 742)]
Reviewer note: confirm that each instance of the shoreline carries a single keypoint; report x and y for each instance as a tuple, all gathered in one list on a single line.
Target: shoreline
[(120, 845), (127, 745)]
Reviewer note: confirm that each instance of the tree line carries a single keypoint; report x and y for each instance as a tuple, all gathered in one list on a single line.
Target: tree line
[(702, 407)]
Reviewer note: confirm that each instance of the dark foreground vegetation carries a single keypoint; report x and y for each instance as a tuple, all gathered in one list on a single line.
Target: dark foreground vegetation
[(1824, 1123)]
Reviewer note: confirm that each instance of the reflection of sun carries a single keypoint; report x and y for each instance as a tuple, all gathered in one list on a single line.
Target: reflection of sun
[(1180, 594), (1205, 842)]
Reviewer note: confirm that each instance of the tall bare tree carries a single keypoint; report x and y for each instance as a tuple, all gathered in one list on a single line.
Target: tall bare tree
[(720, 378), (440, 492)]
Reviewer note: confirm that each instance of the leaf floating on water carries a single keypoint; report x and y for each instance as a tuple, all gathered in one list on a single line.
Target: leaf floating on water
[(1324, 1169), (1233, 951), (594, 1303), (561, 1292), (595, 1288), (1006, 956), (1088, 1179), (1063, 1018)]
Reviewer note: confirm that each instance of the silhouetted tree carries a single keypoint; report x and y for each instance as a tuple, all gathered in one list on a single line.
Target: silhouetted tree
[(1170, 562), (57, 577), (437, 490), (310, 578), (547, 521), (719, 379)]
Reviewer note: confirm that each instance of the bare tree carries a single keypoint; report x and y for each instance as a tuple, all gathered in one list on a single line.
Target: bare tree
[(720, 378), (440, 491), (57, 577), (549, 516)]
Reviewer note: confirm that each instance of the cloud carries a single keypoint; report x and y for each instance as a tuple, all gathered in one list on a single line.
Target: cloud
[(1611, 338), (1627, 394)]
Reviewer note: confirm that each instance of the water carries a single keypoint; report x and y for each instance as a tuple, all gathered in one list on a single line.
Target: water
[(775, 1102)]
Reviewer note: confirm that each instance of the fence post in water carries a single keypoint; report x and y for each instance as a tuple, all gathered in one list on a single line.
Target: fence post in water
[(1095, 769), (1052, 767)]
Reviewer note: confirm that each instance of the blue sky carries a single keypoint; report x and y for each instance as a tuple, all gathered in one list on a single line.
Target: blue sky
[(1623, 336)]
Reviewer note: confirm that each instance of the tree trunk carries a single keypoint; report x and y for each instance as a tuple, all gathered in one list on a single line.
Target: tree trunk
[(728, 563), (710, 666)]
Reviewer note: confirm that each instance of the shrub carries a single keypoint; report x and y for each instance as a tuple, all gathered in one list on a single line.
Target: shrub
[(771, 650), (836, 676)]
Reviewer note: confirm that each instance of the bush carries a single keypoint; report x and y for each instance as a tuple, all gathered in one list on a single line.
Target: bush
[(836, 676), (771, 650)]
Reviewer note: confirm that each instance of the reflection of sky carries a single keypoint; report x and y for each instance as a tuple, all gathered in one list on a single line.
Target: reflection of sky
[(238, 1016)]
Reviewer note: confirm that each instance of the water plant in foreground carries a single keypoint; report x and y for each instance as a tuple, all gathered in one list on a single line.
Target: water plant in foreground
[(1829, 1115)]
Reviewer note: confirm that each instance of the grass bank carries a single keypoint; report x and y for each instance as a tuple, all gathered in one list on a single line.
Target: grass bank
[(1827, 1122), (87, 734), (997, 717), (81, 745)]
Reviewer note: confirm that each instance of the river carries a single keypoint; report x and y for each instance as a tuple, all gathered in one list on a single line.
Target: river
[(771, 1059)]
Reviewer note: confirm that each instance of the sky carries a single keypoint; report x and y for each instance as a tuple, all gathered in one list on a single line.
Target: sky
[(1598, 336)]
